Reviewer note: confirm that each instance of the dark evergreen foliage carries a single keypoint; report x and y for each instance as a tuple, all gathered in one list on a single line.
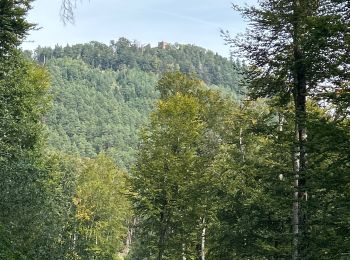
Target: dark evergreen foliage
[(208, 66), (13, 24)]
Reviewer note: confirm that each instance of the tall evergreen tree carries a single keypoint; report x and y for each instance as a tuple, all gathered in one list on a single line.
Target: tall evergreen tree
[(296, 48)]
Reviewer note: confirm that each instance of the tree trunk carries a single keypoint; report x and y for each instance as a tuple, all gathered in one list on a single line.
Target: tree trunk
[(161, 242), (296, 168), (203, 240), (129, 237), (183, 252), (299, 153), (241, 145), (299, 207), (299, 156), (163, 215)]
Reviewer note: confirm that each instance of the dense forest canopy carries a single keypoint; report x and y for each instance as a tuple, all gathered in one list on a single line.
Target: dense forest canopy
[(127, 151), (123, 53), (103, 94)]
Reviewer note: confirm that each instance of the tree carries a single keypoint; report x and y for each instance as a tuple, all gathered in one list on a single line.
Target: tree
[(67, 11), (102, 209), (329, 168), (167, 172), (23, 101), (57, 239), (295, 48), (67, 8), (13, 24), (172, 177), (253, 183)]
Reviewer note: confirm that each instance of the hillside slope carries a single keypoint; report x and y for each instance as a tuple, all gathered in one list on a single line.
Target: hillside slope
[(103, 94)]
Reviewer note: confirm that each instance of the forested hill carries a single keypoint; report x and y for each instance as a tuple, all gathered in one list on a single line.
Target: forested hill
[(103, 93), (212, 68)]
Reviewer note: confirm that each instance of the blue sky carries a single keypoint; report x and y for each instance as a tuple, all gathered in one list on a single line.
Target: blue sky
[(147, 21)]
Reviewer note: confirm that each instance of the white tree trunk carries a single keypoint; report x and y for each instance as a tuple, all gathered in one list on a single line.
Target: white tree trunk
[(296, 162), (183, 252), (241, 145), (203, 240)]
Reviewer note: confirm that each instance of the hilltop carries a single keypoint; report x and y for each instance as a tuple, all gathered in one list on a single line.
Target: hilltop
[(103, 94)]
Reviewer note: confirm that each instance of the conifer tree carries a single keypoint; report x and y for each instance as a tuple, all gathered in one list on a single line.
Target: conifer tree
[(13, 24), (297, 49)]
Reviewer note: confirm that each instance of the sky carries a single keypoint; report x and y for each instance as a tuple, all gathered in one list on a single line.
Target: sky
[(147, 21)]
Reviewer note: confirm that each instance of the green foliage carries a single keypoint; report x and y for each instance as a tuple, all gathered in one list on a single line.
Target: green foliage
[(253, 220), (86, 209), (329, 182), (290, 37), (253, 216), (298, 49), (100, 100), (23, 101), (102, 209), (98, 110), (167, 166), (39, 217), (13, 24), (173, 177), (57, 240), (118, 55), (203, 164)]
